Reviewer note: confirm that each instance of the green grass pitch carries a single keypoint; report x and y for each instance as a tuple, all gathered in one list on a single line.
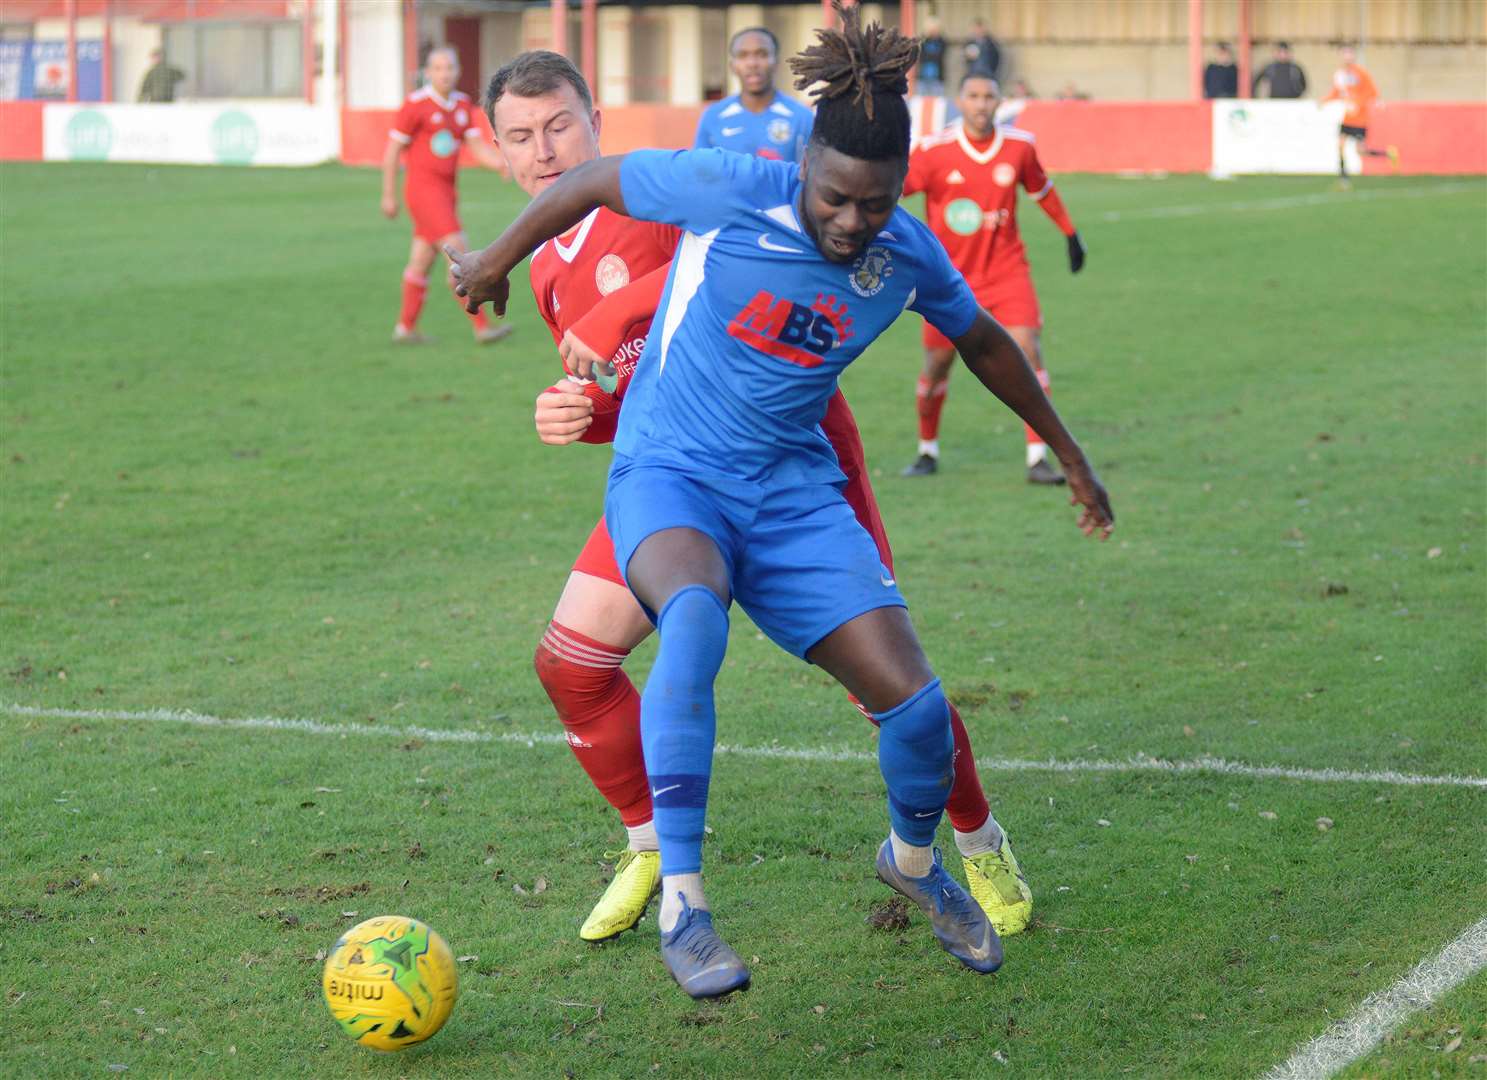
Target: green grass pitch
[(223, 490)]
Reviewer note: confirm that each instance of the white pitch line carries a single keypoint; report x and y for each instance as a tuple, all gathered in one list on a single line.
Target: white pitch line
[(1139, 763), (1351, 1038), (1287, 202)]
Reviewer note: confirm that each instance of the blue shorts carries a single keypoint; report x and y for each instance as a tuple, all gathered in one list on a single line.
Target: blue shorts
[(799, 563)]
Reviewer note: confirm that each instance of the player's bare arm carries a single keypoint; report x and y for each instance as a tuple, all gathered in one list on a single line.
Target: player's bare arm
[(390, 158), (480, 276), (994, 358)]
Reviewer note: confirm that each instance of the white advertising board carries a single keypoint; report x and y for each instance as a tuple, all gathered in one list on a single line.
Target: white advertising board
[(227, 133), (1264, 136)]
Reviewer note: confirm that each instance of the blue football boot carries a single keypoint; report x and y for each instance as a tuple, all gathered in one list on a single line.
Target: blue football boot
[(961, 926), (699, 960)]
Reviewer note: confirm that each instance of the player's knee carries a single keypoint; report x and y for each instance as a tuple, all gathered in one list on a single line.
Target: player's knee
[(916, 750), (694, 634), (575, 688), (921, 721)]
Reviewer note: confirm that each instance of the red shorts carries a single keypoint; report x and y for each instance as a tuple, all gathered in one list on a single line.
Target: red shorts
[(431, 206), (1010, 299), (597, 557)]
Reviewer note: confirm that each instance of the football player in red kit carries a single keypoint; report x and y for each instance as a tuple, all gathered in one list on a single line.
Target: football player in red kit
[(969, 175), (434, 123), (604, 279)]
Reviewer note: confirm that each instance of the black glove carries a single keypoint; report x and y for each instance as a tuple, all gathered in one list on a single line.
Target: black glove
[(1076, 254)]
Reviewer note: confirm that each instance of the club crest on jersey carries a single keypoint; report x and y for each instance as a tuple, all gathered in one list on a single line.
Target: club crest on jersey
[(611, 274), (779, 130), (461, 118), (1005, 175), (871, 271), (802, 335)]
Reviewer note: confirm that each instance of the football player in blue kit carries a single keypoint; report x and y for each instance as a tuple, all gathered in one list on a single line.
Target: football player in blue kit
[(758, 119), (723, 487)]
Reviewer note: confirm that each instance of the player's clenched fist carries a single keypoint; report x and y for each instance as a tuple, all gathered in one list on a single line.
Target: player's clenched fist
[(389, 206), (563, 414)]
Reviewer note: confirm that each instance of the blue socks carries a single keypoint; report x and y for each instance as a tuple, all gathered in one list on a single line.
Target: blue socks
[(916, 753), (678, 724)]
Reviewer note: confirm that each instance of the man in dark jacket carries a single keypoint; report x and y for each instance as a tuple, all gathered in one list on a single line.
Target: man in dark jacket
[(981, 54), (159, 83), (932, 60), (1283, 75), (1221, 76)]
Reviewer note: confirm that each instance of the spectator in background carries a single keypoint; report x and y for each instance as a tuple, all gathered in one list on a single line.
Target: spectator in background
[(1283, 75), (159, 83), (981, 54), (932, 60), (1221, 76), (1070, 92), (1012, 105)]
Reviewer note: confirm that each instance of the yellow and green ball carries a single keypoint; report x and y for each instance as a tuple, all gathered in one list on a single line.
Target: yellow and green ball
[(390, 982)]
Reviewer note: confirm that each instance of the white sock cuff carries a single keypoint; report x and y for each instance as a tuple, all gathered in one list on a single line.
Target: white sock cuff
[(643, 837)]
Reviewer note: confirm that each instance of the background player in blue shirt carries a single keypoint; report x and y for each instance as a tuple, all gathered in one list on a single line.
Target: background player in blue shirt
[(759, 119), (723, 487)]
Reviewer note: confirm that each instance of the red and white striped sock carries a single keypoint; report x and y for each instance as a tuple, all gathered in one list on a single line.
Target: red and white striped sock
[(600, 710)]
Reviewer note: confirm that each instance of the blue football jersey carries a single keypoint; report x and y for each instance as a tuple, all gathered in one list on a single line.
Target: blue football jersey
[(755, 325), (779, 132)]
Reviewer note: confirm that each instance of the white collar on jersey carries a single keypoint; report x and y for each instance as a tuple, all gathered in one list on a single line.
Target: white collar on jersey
[(567, 252), (980, 157), (428, 92), (785, 215)]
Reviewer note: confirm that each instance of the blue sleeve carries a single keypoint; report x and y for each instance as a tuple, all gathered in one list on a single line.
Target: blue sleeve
[(941, 294), (699, 190), (704, 131)]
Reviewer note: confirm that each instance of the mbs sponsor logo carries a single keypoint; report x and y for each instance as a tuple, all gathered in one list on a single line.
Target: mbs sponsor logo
[(802, 335)]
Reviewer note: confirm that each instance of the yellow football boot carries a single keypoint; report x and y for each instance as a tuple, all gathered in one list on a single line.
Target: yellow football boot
[(997, 883), (637, 878)]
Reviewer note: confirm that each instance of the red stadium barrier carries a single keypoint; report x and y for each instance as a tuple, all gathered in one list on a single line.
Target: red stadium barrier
[(624, 128), (1120, 136), (1433, 137), (20, 130), (1073, 136)]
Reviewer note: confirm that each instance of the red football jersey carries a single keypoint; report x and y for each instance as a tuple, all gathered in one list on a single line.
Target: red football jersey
[(433, 130), (571, 274), (971, 196)]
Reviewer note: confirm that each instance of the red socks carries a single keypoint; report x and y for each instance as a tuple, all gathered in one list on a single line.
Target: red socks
[(967, 808), (930, 397), (600, 710), (415, 288)]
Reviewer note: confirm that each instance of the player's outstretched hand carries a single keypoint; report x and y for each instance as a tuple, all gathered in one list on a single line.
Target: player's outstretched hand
[(1096, 519), (563, 414), (389, 206), (584, 362), (1076, 254), (474, 284)]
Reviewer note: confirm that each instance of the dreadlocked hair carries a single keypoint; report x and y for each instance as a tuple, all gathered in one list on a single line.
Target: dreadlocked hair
[(860, 76)]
